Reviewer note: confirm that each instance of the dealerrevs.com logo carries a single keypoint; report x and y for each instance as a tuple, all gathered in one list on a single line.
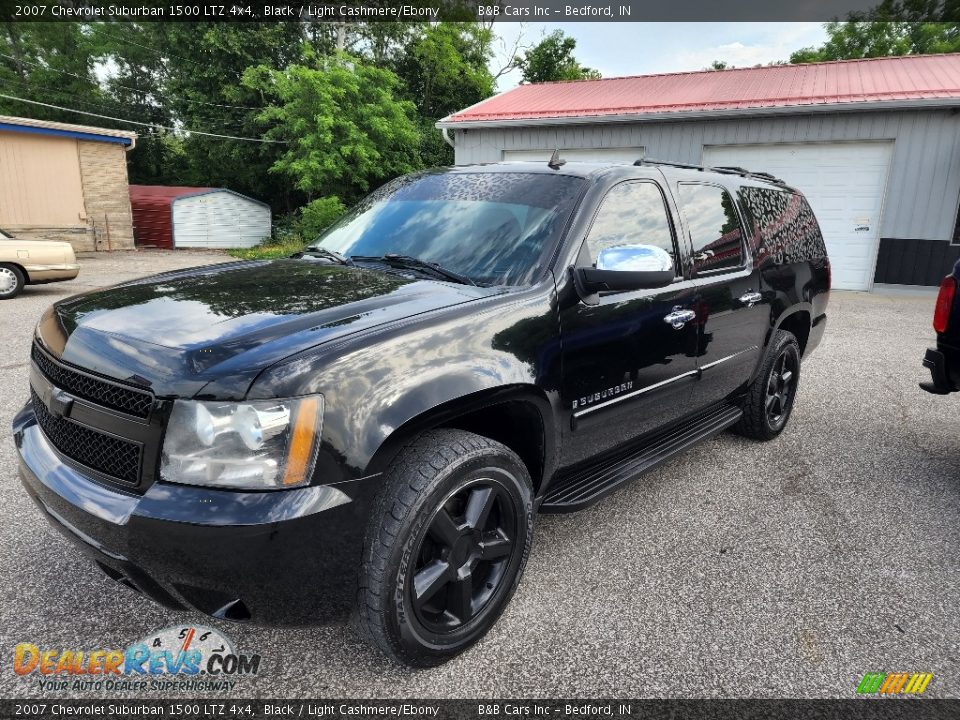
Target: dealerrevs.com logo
[(177, 658)]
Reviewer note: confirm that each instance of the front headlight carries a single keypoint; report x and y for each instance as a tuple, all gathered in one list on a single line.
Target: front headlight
[(256, 445)]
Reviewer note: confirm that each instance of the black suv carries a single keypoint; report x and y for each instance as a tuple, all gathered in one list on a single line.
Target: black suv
[(943, 361), (376, 421)]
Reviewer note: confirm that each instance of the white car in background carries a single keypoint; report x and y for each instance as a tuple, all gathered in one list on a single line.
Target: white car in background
[(32, 262)]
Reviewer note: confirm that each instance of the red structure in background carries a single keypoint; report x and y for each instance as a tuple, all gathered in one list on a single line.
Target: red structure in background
[(152, 207)]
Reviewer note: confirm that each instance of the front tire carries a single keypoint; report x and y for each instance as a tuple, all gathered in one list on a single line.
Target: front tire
[(769, 401), (11, 281), (445, 548)]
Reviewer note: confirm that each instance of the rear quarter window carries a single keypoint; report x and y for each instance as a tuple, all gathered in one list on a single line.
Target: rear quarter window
[(782, 225)]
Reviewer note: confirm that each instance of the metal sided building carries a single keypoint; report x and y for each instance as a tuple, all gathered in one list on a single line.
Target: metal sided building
[(166, 216), (874, 144)]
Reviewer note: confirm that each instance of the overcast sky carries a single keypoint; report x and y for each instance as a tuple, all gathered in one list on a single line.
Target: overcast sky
[(641, 48)]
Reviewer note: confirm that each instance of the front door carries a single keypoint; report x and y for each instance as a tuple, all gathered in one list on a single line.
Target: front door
[(629, 360)]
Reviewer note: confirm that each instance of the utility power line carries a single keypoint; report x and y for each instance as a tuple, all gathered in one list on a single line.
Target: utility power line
[(143, 124), (18, 85), (110, 104), (124, 87), (158, 53)]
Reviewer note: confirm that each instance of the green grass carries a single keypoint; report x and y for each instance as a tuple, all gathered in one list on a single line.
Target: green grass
[(270, 249)]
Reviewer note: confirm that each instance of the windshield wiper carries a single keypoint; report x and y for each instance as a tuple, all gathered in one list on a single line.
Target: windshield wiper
[(322, 252), (407, 261)]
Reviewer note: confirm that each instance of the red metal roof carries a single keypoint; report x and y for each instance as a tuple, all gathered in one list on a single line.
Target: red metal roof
[(911, 78), (153, 214), (164, 191)]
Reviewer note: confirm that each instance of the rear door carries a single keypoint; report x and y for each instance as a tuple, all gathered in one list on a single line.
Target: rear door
[(732, 312), (629, 360)]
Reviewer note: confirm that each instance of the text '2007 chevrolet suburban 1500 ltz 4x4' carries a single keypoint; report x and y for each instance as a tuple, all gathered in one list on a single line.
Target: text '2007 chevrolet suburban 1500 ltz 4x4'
[(374, 422)]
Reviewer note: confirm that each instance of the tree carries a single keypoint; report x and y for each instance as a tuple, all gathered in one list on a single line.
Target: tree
[(444, 70), (203, 64), (344, 125), (50, 63), (136, 86), (894, 27), (719, 65), (552, 59)]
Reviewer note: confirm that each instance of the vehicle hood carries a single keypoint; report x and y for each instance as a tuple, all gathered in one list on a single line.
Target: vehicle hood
[(215, 328)]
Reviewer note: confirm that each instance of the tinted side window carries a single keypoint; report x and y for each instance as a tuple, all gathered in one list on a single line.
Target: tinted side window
[(632, 213), (784, 226), (715, 234)]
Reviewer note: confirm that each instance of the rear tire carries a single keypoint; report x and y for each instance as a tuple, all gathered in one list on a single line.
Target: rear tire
[(445, 548), (769, 401), (11, 281)]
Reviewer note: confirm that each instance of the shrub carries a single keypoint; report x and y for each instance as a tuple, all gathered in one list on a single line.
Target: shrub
[(318, 215)]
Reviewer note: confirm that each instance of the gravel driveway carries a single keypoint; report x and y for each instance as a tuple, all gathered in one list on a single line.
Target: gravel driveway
[(785, 569)]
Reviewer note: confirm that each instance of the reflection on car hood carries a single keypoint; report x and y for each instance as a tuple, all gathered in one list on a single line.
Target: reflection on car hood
[(231, 319)]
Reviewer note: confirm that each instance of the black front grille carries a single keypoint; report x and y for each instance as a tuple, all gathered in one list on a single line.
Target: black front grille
[(113, 456), (118, 397)]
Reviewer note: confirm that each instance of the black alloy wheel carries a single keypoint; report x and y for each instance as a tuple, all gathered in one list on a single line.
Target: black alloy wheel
[(463, 555), (769, 400), (781, 386), (447, 542)]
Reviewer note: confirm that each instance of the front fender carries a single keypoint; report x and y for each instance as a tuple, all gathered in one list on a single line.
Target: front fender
[(377, 383), (448, 414)]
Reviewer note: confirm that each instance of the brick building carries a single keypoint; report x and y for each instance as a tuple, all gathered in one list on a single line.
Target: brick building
[(65, 182)]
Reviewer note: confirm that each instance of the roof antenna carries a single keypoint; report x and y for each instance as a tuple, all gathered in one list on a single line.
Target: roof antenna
[(556, 162)]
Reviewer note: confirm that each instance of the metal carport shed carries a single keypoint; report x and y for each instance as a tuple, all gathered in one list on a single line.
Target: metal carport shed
[(872, 143), (167, 216)]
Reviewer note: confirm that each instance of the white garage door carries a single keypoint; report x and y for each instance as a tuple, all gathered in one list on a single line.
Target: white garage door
[(844, 183), (614, 155)]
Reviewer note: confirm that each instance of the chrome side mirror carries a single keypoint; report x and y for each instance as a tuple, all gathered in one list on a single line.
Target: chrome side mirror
[(635, 258), (626, 267)]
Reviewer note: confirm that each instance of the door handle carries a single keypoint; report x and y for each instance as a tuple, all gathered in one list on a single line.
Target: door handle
[(750, 298), (678, 318)]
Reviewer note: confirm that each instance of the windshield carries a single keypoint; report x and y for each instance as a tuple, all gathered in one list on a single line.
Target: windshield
[(494, 228)]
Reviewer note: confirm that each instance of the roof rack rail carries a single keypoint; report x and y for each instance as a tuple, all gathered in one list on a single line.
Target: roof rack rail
[(726, 169), (736, 169), (648, 161), (767, 176)]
